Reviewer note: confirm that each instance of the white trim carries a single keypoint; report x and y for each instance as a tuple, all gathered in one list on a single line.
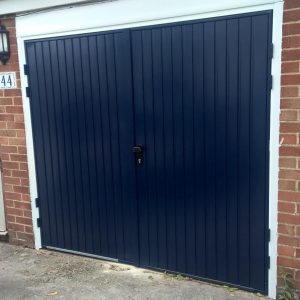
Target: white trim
[(27, 28), (2, 211), (29, 145), (274, 145), (15, 6), (129, 13)]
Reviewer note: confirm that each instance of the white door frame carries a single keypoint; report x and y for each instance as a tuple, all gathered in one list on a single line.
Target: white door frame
[(2, 210), (28, 28)]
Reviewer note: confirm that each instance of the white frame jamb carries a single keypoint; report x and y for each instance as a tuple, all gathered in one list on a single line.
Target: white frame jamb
[(26, 27)]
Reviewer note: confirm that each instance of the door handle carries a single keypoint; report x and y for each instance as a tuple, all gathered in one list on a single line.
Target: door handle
[(138, 151)]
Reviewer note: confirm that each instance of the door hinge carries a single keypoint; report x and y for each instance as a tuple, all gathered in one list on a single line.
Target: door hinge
[(37, 202), (27, 92), (272, 51), (39, 222), (26, 70), (271, 82)]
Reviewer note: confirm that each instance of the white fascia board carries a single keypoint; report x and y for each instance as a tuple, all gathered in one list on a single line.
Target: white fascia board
[(122, 12), (17, 6)]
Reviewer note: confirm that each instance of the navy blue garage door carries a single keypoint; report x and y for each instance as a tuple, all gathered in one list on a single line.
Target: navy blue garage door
[(151, 145)]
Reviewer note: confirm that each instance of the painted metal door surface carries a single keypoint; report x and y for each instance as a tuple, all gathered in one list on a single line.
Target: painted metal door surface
[(82, 117), (191, 100), (202, 93)]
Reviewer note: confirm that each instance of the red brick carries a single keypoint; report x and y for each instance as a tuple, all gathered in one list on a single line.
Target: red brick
[(6, 101), (8, 149), (289, 115), (290, 67), (16, 227), (14, 109), (288, 262), (289, 151), (286, 250), (24, 221), (290, 55), (289, 196), (286, 218), (289, 241), (291, 29), (25, 236), (10, 133), (6, 117), (22, 205), (290, 127), (286, 207), (291, 79), (289, 174), (19, 118), (22, 150), (288, 4), (291, 15), (289, 91), (10, 165), (21, 189), (21, 133), (288, 139), (14, 211), (8, 188), (23, 166), (285, 162), (286, 229), (21, 174), (291, 42), (15, 125), (25, 182), (18, 157), (11, 180), (287, 185), (290, 103), (27, 213), (12, 93), (17, 141)]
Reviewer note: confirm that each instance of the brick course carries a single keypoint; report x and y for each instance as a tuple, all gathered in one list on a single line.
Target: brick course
[(13, 152), (289, 162)]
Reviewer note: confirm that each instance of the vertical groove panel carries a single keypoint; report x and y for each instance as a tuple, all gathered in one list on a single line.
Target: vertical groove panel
[(199, 168), (196, 96), (66, 155), (232, 142), (107, 156), (159, 147), (220, 158), (83, 136), (43, 102), (209, 142), (169, 146), (150, 142), (189, 147), (178, 161), (243, 148), (81, 157), (139, 118)]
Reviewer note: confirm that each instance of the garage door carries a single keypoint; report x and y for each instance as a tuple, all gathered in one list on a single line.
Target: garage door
[(151, 145)]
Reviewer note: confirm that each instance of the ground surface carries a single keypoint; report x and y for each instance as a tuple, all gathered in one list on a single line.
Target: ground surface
[(30, 274)]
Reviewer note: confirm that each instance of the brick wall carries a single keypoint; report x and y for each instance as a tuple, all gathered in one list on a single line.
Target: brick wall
[(13, 152), (289, 162)]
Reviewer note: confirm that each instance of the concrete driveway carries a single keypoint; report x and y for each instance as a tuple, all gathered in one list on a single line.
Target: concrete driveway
[(30, 274)]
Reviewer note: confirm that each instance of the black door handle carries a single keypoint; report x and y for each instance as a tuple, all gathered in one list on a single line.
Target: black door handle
[(138, 151)]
